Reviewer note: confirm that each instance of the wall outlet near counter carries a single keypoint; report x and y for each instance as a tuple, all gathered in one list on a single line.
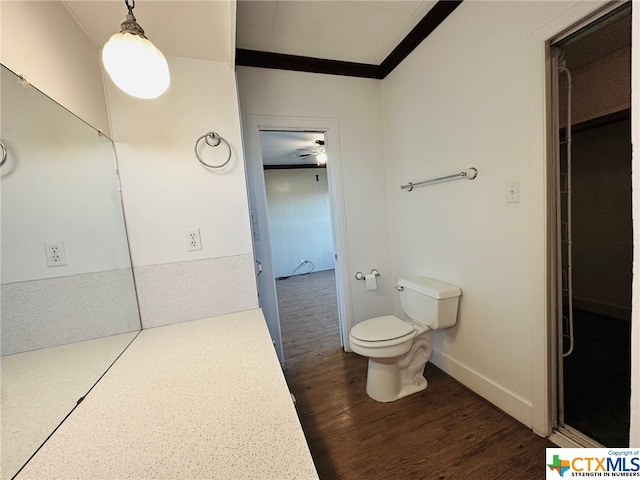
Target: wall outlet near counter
[(55, 254), (193, 239)]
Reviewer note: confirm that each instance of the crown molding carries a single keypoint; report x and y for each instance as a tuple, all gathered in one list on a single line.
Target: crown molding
[(280, 61)]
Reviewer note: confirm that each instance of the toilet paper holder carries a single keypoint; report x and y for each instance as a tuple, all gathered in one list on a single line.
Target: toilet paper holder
[(360, 275)]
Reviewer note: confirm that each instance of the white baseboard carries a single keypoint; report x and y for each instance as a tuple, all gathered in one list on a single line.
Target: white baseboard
[(507, 401)]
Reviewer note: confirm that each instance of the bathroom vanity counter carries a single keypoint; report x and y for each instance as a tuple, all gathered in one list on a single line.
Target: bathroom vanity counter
[(195, 400)]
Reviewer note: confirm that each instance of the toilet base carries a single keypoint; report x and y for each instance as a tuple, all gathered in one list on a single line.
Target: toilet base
[(389, 379)]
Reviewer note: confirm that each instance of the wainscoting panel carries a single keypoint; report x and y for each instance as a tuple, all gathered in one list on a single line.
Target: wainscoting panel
[(57, 311), (178, 292)]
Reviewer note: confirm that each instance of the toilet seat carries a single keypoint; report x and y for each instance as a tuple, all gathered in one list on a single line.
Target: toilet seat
[(384, 331)]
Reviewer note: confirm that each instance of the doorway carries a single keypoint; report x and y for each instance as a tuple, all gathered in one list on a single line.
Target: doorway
[(301, 238), (327, 129), (591, 87)]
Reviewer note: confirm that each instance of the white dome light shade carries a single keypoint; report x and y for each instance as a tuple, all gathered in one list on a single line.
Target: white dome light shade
[(136, 66)]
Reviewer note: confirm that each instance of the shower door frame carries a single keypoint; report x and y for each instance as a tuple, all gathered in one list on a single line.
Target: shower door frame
[(562, 434)]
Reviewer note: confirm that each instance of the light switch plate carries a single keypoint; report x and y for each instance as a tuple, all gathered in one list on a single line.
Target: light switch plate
[(513, 192)]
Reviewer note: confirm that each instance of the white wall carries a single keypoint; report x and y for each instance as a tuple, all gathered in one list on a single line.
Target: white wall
[(471, 95), (355, 103), (299, 220), (58, 184), (166, 191), (474, 95), (42, 41)]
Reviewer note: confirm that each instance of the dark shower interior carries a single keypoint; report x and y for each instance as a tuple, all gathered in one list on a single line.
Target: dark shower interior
[(597, 373)]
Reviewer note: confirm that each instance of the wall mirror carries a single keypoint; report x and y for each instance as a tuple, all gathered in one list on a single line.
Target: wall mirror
[(68, 300)]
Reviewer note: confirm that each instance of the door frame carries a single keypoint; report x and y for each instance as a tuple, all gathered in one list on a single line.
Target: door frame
[(558, 432), (268, 300)]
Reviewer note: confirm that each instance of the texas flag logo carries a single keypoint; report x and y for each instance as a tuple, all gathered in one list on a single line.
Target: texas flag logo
[(559, 465)]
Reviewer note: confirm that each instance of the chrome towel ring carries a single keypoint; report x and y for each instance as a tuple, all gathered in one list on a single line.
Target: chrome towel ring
[(4, 155), (213, 140)]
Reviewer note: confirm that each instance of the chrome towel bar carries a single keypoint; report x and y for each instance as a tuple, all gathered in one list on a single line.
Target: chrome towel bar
[(470, 173)]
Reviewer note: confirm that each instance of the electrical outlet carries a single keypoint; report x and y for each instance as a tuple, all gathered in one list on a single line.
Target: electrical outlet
[(193, 239), (55, 254)]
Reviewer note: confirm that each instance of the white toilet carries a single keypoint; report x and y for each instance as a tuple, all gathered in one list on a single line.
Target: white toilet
[(397, 349)]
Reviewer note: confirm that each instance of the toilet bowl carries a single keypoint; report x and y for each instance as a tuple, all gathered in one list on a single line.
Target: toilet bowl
[(398, 350)]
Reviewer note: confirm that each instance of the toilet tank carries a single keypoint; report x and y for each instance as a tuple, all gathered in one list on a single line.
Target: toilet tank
[(429, 302)]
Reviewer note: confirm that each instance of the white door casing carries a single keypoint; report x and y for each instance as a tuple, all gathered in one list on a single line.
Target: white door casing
[(260, 220)]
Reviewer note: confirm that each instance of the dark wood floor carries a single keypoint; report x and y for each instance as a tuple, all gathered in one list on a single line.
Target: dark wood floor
[(445, 432)]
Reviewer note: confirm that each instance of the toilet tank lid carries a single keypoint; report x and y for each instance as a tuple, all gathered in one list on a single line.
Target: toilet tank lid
[(428, 286)]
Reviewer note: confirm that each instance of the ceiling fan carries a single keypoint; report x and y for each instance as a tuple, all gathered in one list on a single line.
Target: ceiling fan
[(318, 152)]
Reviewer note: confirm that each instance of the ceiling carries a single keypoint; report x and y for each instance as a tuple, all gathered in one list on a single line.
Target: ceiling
[(283, 148), (179, 28), (310, 28), (353, 31), (348, 31), (357, 31), (360, 31), (611, 34)]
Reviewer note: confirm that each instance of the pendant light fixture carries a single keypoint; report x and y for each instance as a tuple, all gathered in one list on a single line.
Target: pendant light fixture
[(134, 64)]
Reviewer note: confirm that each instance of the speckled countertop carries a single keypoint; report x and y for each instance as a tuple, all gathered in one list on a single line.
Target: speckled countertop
[(204, 399)]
